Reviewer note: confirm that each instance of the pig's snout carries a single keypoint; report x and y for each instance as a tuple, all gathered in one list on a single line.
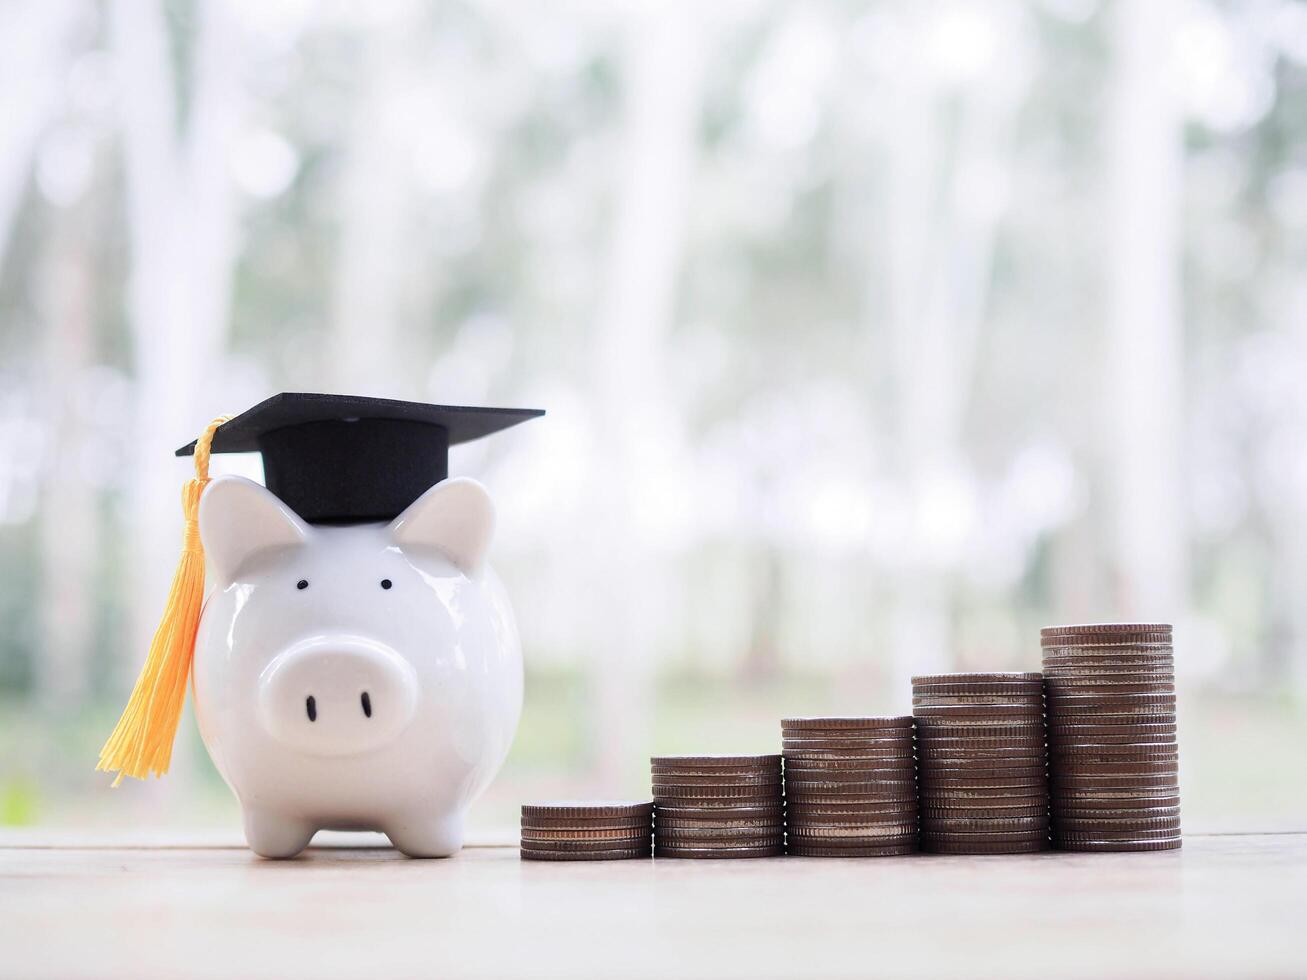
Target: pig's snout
[(337, 695)]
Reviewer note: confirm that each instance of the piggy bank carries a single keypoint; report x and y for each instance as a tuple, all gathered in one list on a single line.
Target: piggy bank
[(355, 677)]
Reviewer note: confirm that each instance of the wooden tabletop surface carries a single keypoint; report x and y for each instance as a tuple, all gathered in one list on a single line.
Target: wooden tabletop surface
[(79, 906)]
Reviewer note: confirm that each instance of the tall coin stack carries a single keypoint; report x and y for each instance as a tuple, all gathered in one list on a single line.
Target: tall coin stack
[(1113, 755), (850, 786), (586, 831), (718, 806), (981, 762)]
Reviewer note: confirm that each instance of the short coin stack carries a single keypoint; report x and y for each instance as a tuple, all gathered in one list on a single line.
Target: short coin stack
[(850, 786), (1113, 755), (981, 762), (718, 806), (586, 831)]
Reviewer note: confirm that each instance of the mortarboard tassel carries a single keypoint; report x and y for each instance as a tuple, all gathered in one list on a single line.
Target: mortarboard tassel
[(142, 741)]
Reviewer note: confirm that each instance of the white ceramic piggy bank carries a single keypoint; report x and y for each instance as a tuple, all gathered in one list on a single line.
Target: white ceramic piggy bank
[(360, 677)]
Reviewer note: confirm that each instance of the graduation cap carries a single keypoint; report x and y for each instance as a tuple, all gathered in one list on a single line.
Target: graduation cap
[(336, 459), (330, 458)]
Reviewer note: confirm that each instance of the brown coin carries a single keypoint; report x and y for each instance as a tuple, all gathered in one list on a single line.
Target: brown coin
[(698, 811), (984, 847), (1116, 813), (1130, 673), (849, 799), (965, 799), (622, 854), (1000, 713), (724, 761), (981, 770), (1032, 702), (861, 746), (848, 722), (982, 733), (718, 853), (709, 803), (930, 836), (974, 825), (821, 811), (1074, 736), (1145, 799), (1124, 704), (1160, 688), (1021, 763), (770, 819), (983, 813), (873, 736), (715, 787), (587, 809), (719, 778), (862, 851), (1115, 829), (718, 772), (1080, 778), (892, 779), (1130, 767), (989, 677), (1102, 629), (698, 838), (869, 834), (626, 833), (1029, 785), (846, 762), (1075, 752), (1162, 844), (1154, 796), (1072, 669), (854, 784), (589, 823), (852, 821), (584, 845)]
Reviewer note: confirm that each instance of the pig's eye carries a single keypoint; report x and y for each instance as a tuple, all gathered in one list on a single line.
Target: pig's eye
[(385, 583), (302, 584)]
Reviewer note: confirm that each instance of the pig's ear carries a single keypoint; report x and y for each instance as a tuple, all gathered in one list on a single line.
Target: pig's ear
[(455, 517), (239, 519)]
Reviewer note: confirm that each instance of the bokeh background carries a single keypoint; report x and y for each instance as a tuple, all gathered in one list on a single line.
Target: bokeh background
[(873, 336)]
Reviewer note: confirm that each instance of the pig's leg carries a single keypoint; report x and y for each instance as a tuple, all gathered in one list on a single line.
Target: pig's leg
[(425, 836), (275, 835)]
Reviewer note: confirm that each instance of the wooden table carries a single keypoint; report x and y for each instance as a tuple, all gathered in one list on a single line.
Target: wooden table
[(78, 907)]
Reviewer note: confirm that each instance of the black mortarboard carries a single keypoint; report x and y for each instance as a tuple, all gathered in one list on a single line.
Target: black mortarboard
[(343, 458)]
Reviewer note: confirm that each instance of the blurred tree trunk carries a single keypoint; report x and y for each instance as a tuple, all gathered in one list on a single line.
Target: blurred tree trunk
[(367, 351), (70, 523), (934, 304), (1142, 383), (181, 224), (34, 58), (634, 419)]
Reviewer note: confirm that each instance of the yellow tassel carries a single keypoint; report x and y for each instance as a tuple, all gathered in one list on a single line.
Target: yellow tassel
[(142, 742)]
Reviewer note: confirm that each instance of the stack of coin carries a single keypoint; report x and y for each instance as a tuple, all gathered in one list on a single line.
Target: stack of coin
[(1113, 755), (586, 831), (981, 762), (718, 806), (850, 786)]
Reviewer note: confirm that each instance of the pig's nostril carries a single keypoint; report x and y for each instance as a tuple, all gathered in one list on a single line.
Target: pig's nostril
[(367, 704), (311, 706)]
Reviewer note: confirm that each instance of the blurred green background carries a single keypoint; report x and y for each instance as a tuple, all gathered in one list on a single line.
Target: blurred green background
[(873, 337)]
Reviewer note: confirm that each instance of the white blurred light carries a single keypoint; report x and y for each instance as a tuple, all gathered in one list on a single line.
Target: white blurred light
[(91, 82), (786, 91), (946, 515), (64, 165), (445, 157), (1041, 488), (839, 515), (264, 163), (1224, 85), (961, 42)]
